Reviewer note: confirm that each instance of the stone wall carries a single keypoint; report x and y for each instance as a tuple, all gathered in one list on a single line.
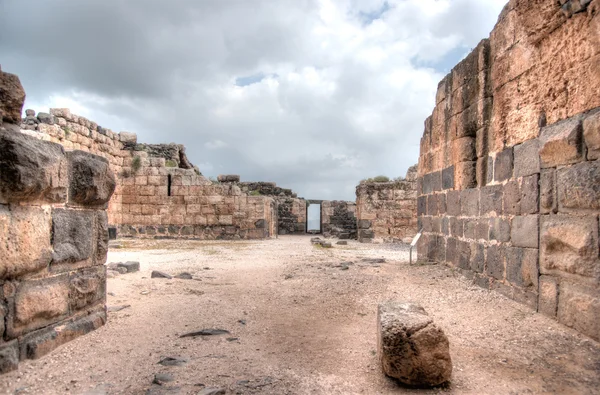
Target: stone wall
[(291, 215), (508, 171), (53, 244), (387, 210), (338, 219)]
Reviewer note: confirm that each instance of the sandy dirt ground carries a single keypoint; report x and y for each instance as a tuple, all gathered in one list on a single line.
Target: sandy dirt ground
[(300, 324)]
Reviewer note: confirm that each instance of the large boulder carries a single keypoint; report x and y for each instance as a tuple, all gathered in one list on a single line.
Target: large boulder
[(12, 97), (92, 183), (411, 347)]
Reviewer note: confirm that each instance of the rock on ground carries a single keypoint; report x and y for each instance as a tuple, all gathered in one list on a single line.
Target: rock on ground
[(411, 347)]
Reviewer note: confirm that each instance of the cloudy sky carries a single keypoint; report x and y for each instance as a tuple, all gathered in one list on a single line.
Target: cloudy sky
[(312, 94)]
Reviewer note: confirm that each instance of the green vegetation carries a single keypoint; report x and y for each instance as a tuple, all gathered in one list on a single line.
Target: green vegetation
[(376, 179), (254, 193), (136, 164), (170, 163)]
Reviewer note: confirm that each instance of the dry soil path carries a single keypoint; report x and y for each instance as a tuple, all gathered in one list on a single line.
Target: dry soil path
[(300, 324)]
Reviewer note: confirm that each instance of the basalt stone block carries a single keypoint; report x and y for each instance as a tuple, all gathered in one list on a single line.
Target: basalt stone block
[(452, 251), (527, 158), (465, 175), (453, 203), (470, 229), (87, 287), (591, 134), (495, 262), (39, 343), (72, 232), (482, 172), (579, 308), (548, 295), (503, 165), (9, 356), (25, 240), (436, 181), (491, 199), (525, 231), (31, 169), (448, 178), (421, 206), (411, 347), (436, 225), (511, 198), (578, 186), (548, 194), (529, 202), (456, 227), (499, 229), (102, 237), (469, 202), (432, 205), (446, 225), (477, 257), (12, 97), (482, 229), (522, 266), (260, 224), (130, 266), (464, 255), (569, 245), (92, 183), (38, 303), (46, 118), (427, 184), (561, 143)]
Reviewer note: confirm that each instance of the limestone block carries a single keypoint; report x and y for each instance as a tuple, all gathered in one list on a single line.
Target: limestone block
[(39, 343), (31, 169), (569, 245), (12, 97), (503, 165), (38, 303), (72, 232), (463, 150), (127, 137), (579, 308), (25, 246), (578, 186), (92, 183), (86, 287), (526, 158), (411, 347), (525, 231), (548, 295), (561, 143), (9, 356), (465, 175), (591, 135)]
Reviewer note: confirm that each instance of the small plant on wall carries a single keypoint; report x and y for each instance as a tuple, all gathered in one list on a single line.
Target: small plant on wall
[(170, 163), (136, 164)]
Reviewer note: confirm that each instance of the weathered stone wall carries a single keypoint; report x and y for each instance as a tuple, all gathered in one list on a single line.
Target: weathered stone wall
[(509, 177), (291, 215), (338, 219), (159, 192), (53, 244), (387, 210)]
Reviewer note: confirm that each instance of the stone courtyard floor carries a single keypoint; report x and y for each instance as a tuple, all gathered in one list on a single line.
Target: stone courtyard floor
[(299, 323)]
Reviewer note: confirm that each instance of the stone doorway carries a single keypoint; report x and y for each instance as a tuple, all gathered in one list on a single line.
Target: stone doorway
[(314, 217)]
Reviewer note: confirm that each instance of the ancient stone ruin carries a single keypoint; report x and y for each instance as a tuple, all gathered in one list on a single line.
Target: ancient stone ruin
[(386, 210), (54, 229), (509, 177)]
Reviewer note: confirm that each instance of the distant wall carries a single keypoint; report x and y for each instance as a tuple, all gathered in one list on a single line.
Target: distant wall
[(53, 244), (291, 215), (508, 172), (387, 210), (338, 219)]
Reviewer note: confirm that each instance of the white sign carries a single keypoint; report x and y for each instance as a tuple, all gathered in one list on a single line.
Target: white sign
[(416, 238)]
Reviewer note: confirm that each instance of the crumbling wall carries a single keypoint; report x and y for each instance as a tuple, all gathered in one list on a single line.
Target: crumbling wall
[(387, 210), (338, 219), (53, 243), (291, 215), (508, 172)]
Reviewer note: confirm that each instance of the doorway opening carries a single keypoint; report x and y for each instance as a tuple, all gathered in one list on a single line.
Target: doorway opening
[(313, 217)]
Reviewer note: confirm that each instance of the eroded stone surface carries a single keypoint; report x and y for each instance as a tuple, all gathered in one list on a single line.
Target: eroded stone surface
[(561, 143), (12, 97), (92, 183), (72, 235), (411, 347)]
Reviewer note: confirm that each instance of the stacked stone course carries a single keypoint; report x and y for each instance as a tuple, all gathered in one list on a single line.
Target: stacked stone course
[(509, 178), (339, 219), (54, 231), (387, 210)]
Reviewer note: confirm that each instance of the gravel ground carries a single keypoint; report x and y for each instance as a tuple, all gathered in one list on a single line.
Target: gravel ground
[(300, 323)]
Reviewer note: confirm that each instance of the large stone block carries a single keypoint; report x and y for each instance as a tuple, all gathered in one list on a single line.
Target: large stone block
[(591, 135), (578, 186), (465, 175), (25, 240), (39, 343), (448, 178), (92, 183), (561, 143), (499, 229), (469, 202), (490, 200), (548, 195), (463, 150), (569, 245), (411, 347), (527, 158), (579, 308), (503, 165), (101, 236), (525, 231), (12, 97), (87, 287), (32, 169), (9, 356), (477, 257), (495, 262), (529, 203), (38, 303), (522, 267), (73, 235), (511, 198), (548, 296), (453, 203)]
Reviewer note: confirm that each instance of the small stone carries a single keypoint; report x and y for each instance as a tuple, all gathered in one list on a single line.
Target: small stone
[(121, 270), (206, 332), (158, 274), (184, 276), (342, 243), (411, 347), (326, 244), (161, 378), (172, 361), (212, 391), (114, 309), (130, 266)]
